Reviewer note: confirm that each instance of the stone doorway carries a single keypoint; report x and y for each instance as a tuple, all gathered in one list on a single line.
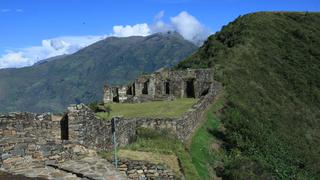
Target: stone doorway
[(116, 95), (64, 126), (133, 89), (190, 88), (129, 90), (167, 87), (145, 87)]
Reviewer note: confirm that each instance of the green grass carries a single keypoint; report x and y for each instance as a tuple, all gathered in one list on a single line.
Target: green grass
[(269, 65), (156, 109), (201, 152), (163, 142)]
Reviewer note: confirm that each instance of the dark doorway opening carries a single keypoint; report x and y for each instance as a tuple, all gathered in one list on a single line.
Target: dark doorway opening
[(129, 90), (190, 89), (116, 95), (133, 89), (145, 87), (64, 127), (167, 87)]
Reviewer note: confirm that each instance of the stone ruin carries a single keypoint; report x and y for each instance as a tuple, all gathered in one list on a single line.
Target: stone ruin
[(161, 85), (43, 145)]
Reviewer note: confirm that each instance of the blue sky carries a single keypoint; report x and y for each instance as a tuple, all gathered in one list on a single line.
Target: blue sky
[(26, 23)]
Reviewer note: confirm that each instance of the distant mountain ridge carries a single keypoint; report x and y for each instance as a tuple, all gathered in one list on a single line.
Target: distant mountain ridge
[(50, 59), (53, 85)]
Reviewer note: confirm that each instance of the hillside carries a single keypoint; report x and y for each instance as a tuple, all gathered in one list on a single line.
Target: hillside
[(269, 64), (53, 85)]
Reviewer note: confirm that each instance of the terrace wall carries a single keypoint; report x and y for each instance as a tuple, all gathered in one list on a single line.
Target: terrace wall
[(87, 130)]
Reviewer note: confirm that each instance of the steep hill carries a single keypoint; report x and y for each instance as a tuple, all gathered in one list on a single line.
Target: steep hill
[(269, 64), (53, 85)]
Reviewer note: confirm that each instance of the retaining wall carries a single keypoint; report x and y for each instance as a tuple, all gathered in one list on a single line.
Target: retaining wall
[(87, 130)]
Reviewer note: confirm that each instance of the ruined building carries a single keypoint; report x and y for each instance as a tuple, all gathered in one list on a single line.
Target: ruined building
[(161, 85)]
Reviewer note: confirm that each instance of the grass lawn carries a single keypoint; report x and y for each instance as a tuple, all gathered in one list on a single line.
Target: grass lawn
[(157, 109), (201, 145)]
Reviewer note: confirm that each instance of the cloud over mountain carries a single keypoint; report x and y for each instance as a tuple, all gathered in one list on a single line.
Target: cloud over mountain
[(184, 23)]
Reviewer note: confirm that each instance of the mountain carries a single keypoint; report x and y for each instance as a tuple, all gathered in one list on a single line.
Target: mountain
[(269, 65), (53, 85), (50, 59)]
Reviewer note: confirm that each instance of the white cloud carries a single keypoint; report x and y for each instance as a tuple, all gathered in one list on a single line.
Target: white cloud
[(159, 25), (13, 59), (184, 23), (49, 48), (136, 30), (190, 28), (187, 25)]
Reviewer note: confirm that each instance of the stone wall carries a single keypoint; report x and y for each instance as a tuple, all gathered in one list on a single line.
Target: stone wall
[(29, 125), (193, 117), (28, 138), (87, 130), (162, 85), (137, 170)]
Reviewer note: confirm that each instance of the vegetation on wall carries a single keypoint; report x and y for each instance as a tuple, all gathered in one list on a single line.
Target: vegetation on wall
[(269, 64)]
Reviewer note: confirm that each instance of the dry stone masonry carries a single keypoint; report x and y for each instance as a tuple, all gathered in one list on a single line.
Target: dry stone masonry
[(32, 145), (145, 170), (161, 85), (43, 145)]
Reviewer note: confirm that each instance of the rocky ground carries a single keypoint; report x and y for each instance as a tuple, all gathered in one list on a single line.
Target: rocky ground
[(83, 169)]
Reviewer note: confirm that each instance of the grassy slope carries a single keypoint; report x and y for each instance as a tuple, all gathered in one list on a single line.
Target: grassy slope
[(201, 152), (80, 77), (157, 109), (269, 64)]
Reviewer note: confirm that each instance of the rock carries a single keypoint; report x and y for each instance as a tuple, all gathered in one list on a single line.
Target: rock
[(140, 171), (123, 166), (159, 167), (131, 171), (5, 156)]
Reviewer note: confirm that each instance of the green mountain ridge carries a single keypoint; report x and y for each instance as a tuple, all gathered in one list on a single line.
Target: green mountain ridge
[(269, 65), (52, 86)]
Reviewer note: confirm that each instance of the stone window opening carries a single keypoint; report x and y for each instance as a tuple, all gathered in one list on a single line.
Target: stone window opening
[(116, 97), (167, 87), (145, 87), (190, 88), (64, 127)]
